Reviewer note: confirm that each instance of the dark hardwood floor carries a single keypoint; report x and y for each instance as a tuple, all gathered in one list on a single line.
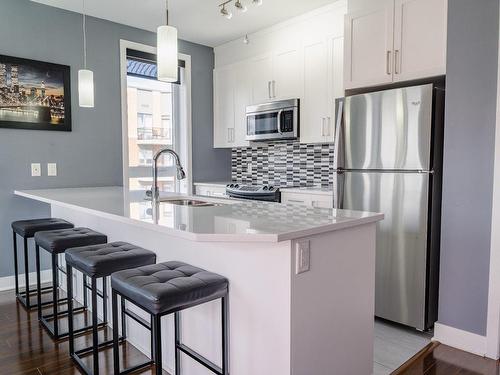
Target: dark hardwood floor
[(25, 348)]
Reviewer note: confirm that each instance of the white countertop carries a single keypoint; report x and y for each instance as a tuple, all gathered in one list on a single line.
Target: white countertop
[(231, 220)]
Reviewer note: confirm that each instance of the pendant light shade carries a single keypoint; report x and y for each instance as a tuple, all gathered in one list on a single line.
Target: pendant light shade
[(167, 54), (86, 88), (85, 76)]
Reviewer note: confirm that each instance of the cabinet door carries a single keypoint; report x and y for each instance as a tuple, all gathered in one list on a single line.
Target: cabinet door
[(224, 130), (261, 73), (419, 38), (314, 106), (335, 84), (369, 46), (287, 74), (242, 98)]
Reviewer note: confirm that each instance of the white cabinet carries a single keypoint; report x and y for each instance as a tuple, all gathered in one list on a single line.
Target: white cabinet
[(224, 131), (232, 93), (420, 38), (395, 40), (287, 74), (261, 73), (369, 45), (276, 75), (307, 198), (323, 83)]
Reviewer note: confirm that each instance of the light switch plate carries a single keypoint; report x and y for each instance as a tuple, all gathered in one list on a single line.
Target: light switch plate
[(51, 169), (302, 257), (36, 169)]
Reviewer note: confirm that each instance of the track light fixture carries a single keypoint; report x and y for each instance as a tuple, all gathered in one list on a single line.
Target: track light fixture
[(238, 4), (226, 13)]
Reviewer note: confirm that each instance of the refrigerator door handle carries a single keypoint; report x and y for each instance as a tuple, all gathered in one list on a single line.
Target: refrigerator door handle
[(337, 141), (338, 194)]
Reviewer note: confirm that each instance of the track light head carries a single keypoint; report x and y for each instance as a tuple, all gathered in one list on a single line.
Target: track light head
[(226, 13), (240, 6)]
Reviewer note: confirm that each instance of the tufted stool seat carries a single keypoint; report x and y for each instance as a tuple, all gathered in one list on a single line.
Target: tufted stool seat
[(100, 261), (167, 288), (27, 229), (57, 242)]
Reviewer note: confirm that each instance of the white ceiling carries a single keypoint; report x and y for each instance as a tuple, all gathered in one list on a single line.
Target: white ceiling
[(198, 21)]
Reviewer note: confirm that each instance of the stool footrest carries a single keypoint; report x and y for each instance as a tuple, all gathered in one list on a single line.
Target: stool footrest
[(64, 313), (137, 368), (199, 358), (143, 322), (102, 345)]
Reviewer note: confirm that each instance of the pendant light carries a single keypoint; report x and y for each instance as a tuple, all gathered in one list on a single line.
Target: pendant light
[(167, 52), (85, 76)]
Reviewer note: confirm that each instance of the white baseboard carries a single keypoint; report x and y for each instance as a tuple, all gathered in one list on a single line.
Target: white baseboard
[(8, 282), (457, 338)]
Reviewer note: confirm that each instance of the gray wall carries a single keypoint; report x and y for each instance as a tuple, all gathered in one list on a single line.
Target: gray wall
[(468, 163), (91, 155)]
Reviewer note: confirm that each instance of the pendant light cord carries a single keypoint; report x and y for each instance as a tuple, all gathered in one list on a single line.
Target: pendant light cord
[(166, 9), (84, 37)]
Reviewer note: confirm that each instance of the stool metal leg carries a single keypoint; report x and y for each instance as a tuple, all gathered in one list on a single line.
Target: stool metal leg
[(105, 300), (114, 312), (124, 322), (177, 334), (85, 287), (225, 335), (38, 282), (26, 273), (157, 347), (69, 287), (16, 269), (55, 305), (95, 325)]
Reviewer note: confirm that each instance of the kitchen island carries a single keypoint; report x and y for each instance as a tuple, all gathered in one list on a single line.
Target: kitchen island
[(282, 321)]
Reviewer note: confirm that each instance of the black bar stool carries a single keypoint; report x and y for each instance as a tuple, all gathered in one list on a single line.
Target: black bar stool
[(27, 229), (57, 242), (169, 288), (99, 261)]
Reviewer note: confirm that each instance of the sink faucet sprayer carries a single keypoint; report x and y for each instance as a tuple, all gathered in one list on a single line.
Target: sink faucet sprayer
[(181, 175)]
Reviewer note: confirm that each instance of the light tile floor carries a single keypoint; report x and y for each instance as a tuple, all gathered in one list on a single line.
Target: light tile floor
[(394, 345)]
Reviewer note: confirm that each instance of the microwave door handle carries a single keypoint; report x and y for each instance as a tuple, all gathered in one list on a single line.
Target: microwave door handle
[(280, 112)]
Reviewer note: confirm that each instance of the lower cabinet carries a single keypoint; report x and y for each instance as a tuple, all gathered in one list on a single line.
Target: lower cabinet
[(308, 198)]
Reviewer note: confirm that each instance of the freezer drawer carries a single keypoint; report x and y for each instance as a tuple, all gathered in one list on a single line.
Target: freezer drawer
[(402, 238), (387, 130)]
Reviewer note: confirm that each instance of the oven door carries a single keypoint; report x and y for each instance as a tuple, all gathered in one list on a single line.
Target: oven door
[(272, 124)]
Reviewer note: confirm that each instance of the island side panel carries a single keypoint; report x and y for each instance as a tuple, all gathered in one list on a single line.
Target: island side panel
[(333, 304), (259, 275)]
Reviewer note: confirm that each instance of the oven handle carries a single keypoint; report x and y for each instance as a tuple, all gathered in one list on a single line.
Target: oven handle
[(280, 112)]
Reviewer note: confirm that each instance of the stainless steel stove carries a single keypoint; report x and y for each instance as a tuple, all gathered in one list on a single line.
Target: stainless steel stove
[(266, 193)]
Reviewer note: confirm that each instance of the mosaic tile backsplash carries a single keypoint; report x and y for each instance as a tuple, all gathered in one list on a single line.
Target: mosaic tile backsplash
[(284, 164)]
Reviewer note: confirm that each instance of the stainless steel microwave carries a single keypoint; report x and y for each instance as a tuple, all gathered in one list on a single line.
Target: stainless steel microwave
[(273, 121)]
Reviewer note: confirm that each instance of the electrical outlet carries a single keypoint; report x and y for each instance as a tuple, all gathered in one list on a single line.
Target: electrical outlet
[(302, 257), (36, 170), (51, 169)]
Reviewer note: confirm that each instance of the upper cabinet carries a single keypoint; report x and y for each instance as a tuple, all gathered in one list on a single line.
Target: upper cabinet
[(302, 58), (395, 40)]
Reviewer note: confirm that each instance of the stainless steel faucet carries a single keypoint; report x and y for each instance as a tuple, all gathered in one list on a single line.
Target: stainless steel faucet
[(181, 175)]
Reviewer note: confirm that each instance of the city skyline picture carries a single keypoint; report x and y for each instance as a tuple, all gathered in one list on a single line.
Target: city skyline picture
[(34, 95)]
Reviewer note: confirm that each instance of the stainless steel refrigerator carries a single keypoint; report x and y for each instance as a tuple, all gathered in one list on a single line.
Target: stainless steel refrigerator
[(388, 158)]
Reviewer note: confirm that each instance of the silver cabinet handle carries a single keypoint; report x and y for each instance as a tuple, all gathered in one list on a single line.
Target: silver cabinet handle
[(269, 89), (295, 201), (396, 62), (388, 63), (328, 126), (230, 135), (323, 126), (274, 89)]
